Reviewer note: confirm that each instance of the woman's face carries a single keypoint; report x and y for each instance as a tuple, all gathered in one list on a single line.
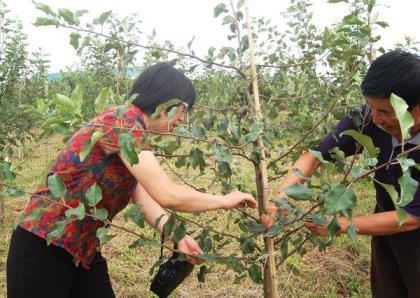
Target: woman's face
[(169, 119)]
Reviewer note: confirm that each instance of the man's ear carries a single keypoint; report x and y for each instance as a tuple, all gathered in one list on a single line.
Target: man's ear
[(416, 111)]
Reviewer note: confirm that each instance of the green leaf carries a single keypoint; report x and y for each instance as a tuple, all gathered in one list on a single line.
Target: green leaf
[(36, 214), (46, 22), (197, 158), (404, 117), (78, 212), (77, 96), (179, 232), (87, 148), (247, 245), (93, 195), (199, 133), (256, 228), (162, 107), (68, 16), (382, 24), (103, 236), (102, 100), (202, 273), (57, 231), (390, 189), (6, 172), (299, 192), (136, 215), (255, 274), (333, 228), (56, 186), (143, 242), (255, 132), (222, 153), (338, 199), (364, 140), (234, 263), (221, 7), (240, 4), (64, 103), (74, 40), (284, 247), (222, 127), (319, 156), (102, 213), (228, 20), (126, 142), (104, 17), (408, 187), (352, 232), (274, 230), (169, 226), (45, 8), (402, 215)]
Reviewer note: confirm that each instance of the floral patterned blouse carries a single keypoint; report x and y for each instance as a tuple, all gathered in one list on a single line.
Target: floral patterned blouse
[(102, 166)]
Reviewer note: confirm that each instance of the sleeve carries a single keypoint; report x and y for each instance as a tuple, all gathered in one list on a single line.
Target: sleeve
[(334, 139), (115, 125), (413, 208)]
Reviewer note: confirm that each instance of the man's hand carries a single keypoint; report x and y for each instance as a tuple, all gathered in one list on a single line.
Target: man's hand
[(322, 230), (270, 217), (190, 247)]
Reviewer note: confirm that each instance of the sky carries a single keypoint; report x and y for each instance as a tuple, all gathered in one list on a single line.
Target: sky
[(180, 20)]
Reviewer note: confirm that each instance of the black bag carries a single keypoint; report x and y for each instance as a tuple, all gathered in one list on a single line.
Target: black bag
[(170, 275)]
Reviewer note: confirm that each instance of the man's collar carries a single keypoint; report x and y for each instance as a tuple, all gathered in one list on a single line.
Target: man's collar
[(395, 143)]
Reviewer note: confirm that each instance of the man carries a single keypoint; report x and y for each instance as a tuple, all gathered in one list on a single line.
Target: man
[(395, 260)]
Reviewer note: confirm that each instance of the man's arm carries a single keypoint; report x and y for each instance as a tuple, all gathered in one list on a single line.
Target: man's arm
[(307, 164), (382, 223)]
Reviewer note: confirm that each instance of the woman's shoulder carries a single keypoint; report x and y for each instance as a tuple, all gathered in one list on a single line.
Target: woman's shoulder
[(120, 116)]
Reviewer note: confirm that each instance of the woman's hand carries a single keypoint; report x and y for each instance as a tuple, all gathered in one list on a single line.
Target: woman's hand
[(190, 247), (238, 199)]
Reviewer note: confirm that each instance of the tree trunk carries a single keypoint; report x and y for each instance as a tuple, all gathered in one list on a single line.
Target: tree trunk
[(1, 201), (270, 278)]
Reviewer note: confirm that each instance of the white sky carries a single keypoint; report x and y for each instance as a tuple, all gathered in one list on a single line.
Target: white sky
[(180, 20)]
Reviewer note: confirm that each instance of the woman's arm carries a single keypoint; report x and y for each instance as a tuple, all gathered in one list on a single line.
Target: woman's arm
[(167, 194), (152, 211)]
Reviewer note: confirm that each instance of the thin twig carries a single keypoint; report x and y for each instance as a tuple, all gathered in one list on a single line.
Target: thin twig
[(180, 177), (166, 134), (129, 43), (416, 148), (308, 133)]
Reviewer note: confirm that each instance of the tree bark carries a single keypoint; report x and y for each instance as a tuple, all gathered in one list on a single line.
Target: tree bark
[(270, 278), (1, 201)]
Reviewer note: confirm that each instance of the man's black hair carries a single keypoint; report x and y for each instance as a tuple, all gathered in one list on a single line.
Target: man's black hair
[(395, 72), (160, 83)]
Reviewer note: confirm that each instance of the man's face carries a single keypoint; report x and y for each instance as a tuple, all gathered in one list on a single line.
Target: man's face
[(383, 114)]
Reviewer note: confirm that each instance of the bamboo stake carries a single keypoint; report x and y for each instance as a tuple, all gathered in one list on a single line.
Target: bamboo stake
[(1, 201), (270, 278)]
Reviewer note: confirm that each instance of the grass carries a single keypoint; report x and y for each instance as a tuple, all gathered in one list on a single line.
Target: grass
[(341, 271)]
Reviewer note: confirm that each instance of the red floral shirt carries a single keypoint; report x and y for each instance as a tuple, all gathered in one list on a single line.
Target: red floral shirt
[(102, 166)]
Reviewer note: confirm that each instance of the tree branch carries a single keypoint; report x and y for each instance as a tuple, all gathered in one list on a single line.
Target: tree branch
[(308, 133)]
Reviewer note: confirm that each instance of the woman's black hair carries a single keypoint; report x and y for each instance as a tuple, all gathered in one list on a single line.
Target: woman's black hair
[(395, 72), (160, 83)]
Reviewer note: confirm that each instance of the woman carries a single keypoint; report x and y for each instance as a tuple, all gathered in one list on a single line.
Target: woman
[(35, 269)]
